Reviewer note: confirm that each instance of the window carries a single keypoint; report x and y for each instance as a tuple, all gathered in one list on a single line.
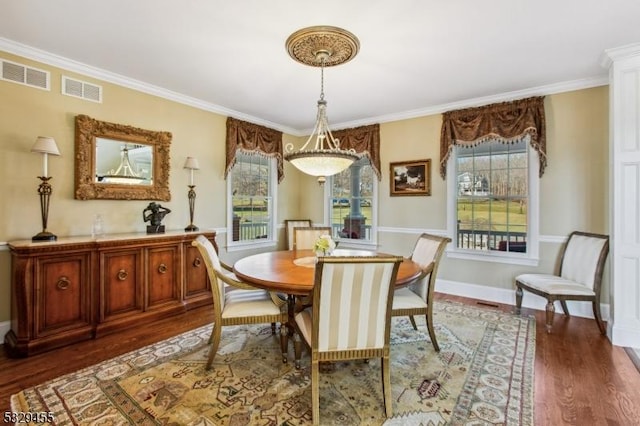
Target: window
[(251, 188), (493, 194), (350, 207)]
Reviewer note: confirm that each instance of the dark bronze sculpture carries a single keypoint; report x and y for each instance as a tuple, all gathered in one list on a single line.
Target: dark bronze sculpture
[(154, 213)]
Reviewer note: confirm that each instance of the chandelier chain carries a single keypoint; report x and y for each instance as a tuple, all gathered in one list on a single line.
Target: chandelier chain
[(322, 79)]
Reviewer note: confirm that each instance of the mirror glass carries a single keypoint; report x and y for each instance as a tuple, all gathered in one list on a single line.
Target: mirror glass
[(120, 162), (123, 163)]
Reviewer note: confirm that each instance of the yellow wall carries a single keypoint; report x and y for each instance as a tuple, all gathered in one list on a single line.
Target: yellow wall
[(573, 190), (26, 113)]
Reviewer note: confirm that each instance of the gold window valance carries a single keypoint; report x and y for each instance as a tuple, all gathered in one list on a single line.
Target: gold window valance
[(506, 122), (365, 140), (252, 139)]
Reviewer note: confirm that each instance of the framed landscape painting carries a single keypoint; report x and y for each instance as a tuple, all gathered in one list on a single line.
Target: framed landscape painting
[(410, 177)]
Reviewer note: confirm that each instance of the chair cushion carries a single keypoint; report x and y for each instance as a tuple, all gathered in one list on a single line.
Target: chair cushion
[(248, 303), (552, 284), (404, 298), (304, 320)]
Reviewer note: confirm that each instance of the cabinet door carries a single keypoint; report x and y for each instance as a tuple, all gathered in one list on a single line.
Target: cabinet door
[(196, 278), (120, 283), (63, 294), (163, 274)]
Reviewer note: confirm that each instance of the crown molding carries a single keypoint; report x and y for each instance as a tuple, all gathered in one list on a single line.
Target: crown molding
[(32, 53), (567, 86), (617, 53)]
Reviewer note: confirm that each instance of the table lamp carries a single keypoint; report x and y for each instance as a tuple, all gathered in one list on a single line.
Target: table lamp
[(45, 145), (191, 164)]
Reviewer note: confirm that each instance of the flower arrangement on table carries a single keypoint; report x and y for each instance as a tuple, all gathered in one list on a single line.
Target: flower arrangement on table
[(324, 245)]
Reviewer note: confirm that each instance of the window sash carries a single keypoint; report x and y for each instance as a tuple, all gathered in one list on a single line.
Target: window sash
[(251, 200), (488, 246)]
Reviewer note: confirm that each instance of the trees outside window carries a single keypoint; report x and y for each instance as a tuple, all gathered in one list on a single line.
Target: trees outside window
[(492, 196)]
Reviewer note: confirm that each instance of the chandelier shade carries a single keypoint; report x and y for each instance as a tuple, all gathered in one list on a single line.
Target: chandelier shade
[(321, 162), (321, 46)]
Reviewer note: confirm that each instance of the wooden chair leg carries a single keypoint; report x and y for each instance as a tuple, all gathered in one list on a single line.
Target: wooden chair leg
[(432, 333), (273, 328), (215, 338), (551, 310), (213, 332), (297, 348), (315, 393), (284, 342), (386, 386), (565, 309), (596, 314), (413, 322), (518, 299)]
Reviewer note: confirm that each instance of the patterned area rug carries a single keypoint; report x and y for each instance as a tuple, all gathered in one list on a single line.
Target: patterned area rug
[(482, 375)]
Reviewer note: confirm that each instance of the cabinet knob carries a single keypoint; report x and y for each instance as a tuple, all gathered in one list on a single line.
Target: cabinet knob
[(197, 262), (122, 275), (63, 283), (162, 268)]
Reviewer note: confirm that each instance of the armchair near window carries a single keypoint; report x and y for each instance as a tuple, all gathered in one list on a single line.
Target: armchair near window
[(417, 298), (350, 317), (236, 302), (289, 224), (579, 277)]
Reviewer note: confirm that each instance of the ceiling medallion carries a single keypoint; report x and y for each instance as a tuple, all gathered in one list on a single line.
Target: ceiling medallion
[(312, 45)]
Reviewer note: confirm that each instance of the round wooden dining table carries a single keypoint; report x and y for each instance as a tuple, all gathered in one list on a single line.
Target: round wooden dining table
[(293, 272)]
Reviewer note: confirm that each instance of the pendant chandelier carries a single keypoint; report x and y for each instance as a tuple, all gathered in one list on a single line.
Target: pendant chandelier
[(321, 46)]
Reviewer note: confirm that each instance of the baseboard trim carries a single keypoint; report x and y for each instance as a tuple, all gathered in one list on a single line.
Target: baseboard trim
[(508, 297), (5, 326), (633, 355), (623, 336)]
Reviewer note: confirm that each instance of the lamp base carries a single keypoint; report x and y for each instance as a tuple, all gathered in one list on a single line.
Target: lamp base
[(191, 228), (44, 236)]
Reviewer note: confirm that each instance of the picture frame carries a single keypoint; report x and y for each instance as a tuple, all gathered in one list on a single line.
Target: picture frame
[(410, 178)]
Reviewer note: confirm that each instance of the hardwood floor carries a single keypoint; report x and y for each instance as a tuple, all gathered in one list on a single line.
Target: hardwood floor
[(581, 379)]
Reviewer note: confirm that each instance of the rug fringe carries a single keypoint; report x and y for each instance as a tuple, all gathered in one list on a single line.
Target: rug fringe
[(18, 403)]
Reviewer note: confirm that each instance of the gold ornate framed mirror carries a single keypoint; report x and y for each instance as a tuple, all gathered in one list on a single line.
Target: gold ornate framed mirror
[(120, 162)]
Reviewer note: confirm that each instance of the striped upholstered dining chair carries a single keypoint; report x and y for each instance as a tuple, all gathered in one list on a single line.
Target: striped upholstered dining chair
[(236, 302), (350, 317), (417, 298), (304, 237), (578, 278), (289, 224)]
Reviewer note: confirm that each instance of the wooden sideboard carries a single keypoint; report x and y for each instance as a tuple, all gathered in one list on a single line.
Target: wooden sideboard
[(80, 288)]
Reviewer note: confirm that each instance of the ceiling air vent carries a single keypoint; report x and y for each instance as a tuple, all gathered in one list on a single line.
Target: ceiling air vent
[(22, 74), (81, 89)]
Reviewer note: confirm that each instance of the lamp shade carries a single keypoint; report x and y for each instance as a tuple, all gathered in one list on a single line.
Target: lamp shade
[(45, 145), (191, 163)]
